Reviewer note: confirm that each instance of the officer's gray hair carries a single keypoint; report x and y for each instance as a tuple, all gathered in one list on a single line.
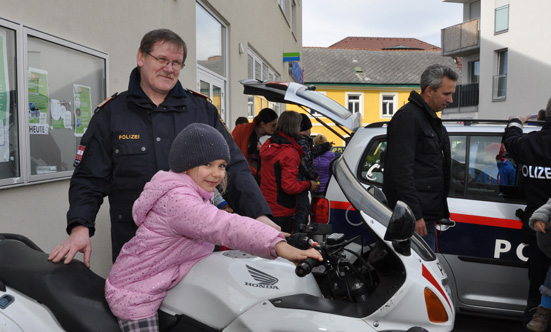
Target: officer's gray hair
[(165, 35), (433, 75)]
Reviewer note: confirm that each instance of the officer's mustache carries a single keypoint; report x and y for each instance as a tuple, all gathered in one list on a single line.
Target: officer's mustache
[(164, 73)]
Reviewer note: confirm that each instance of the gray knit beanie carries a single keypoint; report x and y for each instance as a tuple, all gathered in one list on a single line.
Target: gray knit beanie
[(198, 144)]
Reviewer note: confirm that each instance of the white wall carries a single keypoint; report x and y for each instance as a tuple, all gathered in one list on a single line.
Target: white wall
[(528, 81)]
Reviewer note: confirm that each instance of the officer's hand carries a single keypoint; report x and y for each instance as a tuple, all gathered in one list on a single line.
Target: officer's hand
[(78, 241), (420, 227), (269, 222)]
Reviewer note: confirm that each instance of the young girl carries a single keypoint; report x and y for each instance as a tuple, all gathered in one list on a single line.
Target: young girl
[(179, 225)]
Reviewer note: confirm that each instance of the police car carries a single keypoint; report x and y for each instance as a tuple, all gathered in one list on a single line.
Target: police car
[(481, 249)]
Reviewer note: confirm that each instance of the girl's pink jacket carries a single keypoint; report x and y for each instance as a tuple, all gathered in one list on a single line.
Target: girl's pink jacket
[(178, 226)]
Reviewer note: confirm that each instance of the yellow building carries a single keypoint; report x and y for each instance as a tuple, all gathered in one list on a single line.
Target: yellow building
[(374, 83)]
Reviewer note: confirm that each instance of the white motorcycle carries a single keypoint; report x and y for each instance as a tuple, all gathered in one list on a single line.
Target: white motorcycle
[(389, 282)]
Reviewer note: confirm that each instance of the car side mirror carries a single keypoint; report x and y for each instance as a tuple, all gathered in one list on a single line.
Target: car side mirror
[(400, 228)]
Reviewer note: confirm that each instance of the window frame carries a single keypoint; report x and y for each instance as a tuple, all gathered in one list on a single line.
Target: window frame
[(500, 78), (497, 11), (256, 103), (360, 101), (22, 35), (394, 103)]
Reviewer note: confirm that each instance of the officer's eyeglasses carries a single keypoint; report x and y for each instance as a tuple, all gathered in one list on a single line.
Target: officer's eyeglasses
[(176, 65)]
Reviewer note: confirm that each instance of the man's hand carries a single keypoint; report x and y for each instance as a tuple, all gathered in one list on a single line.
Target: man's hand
[(78, 241), (421, 227), (522, 119), (539, 226), (269, 222)]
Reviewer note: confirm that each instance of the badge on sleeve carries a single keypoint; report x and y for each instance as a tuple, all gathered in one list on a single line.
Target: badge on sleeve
[(80, 153)]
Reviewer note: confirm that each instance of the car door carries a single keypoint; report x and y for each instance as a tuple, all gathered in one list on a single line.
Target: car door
[(483, 253)]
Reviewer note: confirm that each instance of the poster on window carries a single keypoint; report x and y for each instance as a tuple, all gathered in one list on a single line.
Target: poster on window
[(61, 114), (4, 101), (83, 108), (39, 105)]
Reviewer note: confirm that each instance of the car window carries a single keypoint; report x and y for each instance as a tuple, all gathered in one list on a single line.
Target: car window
[(372, 165), (481, 168), (491, 173)]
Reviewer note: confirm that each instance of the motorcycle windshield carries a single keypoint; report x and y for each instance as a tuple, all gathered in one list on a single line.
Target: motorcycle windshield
[(363, 201)]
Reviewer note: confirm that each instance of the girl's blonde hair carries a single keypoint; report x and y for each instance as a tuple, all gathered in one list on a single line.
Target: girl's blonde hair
[(320, 139)]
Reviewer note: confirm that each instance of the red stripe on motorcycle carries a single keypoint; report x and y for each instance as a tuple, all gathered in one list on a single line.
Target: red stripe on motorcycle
[(341, 205), (431, 279), (486, 221)]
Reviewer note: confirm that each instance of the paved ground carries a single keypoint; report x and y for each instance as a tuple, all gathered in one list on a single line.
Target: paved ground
[(464, 323)]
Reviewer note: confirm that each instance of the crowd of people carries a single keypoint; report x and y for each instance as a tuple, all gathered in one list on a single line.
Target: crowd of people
[(181, 163)]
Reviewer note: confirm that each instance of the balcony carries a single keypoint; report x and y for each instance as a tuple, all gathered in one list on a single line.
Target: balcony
[(461, 39), (465, 98)]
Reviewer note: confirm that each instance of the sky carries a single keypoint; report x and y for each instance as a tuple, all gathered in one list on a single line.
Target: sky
[(325, 22)]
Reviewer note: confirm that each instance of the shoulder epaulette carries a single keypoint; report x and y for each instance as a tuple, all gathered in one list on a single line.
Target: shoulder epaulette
[(103, 103), (198, 94)]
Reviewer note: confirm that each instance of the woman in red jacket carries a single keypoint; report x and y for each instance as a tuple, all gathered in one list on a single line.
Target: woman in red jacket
[(247, 135), (280, 166)]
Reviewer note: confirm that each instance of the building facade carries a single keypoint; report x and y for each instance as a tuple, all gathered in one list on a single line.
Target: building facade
[(373, 83), (505, 59), (60, 59)]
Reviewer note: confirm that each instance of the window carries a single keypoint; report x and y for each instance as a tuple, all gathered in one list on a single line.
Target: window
[(373, 161), (211, 52), (481, 168), (500, 79), (260, 70), (388, 104), (48, 92), (474, 10), (354, 102), (474, 71), (10, 166), (491, 173), (283, 5), (60, 102), (502, 19)]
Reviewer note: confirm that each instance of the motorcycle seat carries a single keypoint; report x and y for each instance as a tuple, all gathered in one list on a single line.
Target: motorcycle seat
[(72, 292)]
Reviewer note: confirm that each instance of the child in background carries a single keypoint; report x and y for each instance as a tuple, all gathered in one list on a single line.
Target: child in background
[(541, 223), (322, 164), (178, 226)]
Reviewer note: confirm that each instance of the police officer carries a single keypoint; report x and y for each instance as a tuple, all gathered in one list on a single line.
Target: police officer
[(533, 153), (128, 141)]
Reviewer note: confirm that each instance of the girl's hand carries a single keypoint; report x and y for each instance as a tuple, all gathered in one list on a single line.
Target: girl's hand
[(285, 250), (539, 226)]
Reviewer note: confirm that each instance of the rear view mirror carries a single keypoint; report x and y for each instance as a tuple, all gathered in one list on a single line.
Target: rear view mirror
[(400, 228)]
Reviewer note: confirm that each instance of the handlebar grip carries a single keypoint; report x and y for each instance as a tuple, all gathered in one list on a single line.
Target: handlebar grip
[(305, 266)]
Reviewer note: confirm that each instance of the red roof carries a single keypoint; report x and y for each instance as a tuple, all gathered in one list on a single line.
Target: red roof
[(384, 43)]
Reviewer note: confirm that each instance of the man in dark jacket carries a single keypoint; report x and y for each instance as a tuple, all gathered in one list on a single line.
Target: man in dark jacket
[(533, 153), (128, 141), (417, 164)]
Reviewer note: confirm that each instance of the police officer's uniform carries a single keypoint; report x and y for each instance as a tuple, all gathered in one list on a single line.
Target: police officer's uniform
[(128, 141), (533, 154)]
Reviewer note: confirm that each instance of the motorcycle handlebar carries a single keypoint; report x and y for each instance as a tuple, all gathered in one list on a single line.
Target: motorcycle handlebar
[(305, 266)]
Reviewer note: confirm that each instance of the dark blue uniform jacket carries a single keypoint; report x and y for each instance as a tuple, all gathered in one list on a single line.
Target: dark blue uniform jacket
[(128, 141)]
